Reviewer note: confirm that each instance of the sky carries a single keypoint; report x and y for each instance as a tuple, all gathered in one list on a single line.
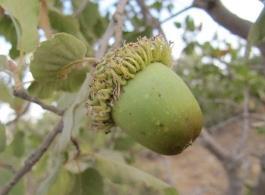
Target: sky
[(248, 9)]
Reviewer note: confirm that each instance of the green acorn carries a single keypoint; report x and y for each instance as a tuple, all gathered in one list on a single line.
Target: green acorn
[(134, 88)]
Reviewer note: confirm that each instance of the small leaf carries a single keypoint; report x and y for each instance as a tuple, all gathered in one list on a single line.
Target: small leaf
[(24, 15), (58, 63), (8, 31), (92, 24), (18, 144), (121, 173), (65, 23), (41, 91), (2, 138), (190, 26), (89, 182)]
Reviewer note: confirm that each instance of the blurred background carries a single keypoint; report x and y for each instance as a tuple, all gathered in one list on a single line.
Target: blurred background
[(209, 40)]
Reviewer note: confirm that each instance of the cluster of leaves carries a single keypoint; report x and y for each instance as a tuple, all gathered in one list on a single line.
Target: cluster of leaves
[(216, 71), (59, 67), (218, 74)]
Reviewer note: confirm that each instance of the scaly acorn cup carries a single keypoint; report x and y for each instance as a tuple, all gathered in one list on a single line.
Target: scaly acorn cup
[(134, 88)]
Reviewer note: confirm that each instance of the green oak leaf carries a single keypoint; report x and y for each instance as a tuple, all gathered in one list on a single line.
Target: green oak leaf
[(25, 19), (92, 24), (120, 173), (58, 64), (89, 182), (8, 31)]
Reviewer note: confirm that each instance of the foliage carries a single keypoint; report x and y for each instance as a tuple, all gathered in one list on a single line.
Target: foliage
[(216, 71)]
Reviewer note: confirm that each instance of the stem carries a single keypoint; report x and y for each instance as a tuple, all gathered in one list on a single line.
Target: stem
[(176, 14)]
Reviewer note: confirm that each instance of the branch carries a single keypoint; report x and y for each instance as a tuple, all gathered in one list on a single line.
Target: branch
[(44, 21), (20, 92), (227, 19), (25, 96), (176, 14), (103, 42), (119, 20), (149, 19), (33, 158), (214, 147)]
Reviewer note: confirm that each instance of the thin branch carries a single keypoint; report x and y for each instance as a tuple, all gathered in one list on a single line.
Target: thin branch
[(44, 21), (149, 19), (24, 95), (176, 14), (20, 92), (225, 122), (76, 145), (33, 158), (104, 41), (119, 20)]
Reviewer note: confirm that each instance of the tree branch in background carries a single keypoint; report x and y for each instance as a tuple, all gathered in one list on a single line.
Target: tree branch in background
[(232, 161), (44, 21), (227, 19), (33, 158), (149, 19), (25, 96), (119, 20), (20, 92), (104, 41), (176, 14)]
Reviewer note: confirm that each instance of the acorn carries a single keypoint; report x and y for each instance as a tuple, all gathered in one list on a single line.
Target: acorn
[(134, 88)]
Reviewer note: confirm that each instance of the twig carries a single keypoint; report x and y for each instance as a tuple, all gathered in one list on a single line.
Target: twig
[(176, 14), (118, 20), (225, 122), (44, 21), (149, 19), (77, 147), (33, 158), (103, 42), (24, 95)]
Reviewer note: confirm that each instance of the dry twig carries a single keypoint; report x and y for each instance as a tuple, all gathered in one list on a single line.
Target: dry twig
[(117, 16)]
